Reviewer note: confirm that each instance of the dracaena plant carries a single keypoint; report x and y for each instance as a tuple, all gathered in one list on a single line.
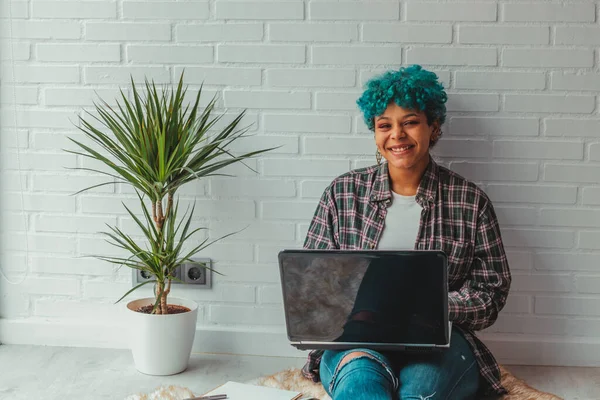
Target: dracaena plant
[(157, 143)]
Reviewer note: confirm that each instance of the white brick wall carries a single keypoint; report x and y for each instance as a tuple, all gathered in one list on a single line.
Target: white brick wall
[(523, 122), (257, 10), (73, 9), (356, 11), (165, 10), (554, 12), (548, 58), (456, 11)]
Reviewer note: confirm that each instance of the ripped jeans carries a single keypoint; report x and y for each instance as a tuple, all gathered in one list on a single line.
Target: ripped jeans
[(450, 374)]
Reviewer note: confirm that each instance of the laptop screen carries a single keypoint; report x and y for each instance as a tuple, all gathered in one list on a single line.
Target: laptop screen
[(394, 297)]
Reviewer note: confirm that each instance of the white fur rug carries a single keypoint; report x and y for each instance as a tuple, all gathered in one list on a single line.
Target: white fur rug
[(164, 393), (288, 379), (292, 379)]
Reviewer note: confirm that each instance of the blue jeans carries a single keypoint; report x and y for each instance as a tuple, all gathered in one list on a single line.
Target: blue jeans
[(451, 374)]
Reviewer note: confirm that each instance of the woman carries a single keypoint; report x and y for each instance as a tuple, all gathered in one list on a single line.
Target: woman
[(409, 201)]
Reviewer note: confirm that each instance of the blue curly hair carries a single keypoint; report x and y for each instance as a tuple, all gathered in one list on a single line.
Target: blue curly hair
[(413, 88)]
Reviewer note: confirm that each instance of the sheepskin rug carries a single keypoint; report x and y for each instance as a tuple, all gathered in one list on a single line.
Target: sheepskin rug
[(164, 393), (292, 379)]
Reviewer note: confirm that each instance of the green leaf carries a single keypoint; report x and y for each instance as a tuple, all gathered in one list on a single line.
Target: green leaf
[(134, 289)]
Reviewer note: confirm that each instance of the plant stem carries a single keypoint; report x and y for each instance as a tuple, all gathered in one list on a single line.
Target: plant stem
[(159, 220), (159, 309), (168, 288), (163, 301), (159, 215), (169, 205), (154, 211)]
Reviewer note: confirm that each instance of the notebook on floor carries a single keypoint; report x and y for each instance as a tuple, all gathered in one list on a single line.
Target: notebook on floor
[(244, 391)]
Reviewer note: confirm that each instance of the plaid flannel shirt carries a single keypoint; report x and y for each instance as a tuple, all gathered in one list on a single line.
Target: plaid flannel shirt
[(457, 218)]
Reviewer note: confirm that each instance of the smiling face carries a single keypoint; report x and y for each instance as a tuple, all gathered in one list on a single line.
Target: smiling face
[(403, 138)]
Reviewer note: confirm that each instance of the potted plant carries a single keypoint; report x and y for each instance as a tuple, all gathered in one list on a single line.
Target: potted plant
[(157, 144)]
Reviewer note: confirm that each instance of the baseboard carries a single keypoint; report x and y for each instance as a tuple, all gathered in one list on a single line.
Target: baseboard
[(508, 349), (74, 333), (513, 349)]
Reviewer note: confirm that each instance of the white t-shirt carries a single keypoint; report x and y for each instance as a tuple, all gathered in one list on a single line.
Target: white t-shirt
[(401, 224)]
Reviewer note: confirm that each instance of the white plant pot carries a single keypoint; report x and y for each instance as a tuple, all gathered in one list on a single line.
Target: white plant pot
[(161, 344)]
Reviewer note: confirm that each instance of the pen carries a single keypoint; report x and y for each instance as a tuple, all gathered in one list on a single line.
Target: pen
[(213, 397)]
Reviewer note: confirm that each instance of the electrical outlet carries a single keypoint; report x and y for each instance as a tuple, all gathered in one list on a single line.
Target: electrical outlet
[(140, 276), (143, 276), (191, 273), (196, 273)]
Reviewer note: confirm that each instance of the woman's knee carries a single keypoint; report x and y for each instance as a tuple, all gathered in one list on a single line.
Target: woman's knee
[(355, 371), (429, 381), (422, 382), (368, 358), (352, 356)]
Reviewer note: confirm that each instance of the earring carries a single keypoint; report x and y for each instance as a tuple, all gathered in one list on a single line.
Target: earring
[(378, 157)]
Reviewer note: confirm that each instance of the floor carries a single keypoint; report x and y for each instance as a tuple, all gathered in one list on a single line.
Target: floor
[(67, 373)]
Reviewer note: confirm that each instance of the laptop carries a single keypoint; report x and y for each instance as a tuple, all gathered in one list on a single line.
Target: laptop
[(382, 300)]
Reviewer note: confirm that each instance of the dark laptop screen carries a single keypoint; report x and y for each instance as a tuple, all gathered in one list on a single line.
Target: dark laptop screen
[(366, 297)]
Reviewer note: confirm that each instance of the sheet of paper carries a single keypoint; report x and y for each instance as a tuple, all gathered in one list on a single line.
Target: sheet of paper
[(243, 391)]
